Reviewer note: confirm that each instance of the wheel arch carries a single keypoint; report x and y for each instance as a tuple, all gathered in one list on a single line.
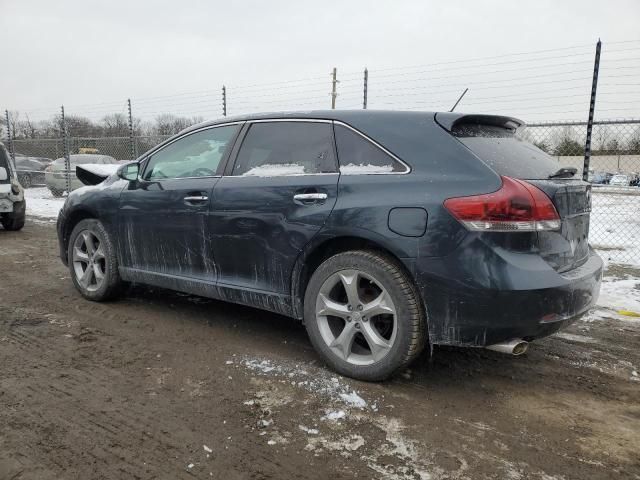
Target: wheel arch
[(70, 222), (314, 255)]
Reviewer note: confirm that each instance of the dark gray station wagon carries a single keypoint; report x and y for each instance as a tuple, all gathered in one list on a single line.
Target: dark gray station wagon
[(383, 231)]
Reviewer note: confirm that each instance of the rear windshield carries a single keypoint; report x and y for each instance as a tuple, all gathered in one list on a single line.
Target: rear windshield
[(504, 152)]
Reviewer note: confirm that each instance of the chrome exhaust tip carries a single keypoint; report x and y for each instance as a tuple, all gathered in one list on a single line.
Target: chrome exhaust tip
[(514, 347)]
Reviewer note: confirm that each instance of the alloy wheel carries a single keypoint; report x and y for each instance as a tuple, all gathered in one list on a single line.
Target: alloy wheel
[(356, 317), (89, 262)]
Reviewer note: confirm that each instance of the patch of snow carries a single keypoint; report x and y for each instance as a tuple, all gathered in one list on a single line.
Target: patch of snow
[(575, 338), (353, 399), (619, 298), (311, 379), (613, 230), (310, 431), (207, 449), (190, 466), (617, 294), (362, 168), (334, 416), (262, 423), (271, 442), (41, 203), (275, 170), (344, 446)]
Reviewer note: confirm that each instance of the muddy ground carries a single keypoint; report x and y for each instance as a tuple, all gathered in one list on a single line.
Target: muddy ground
[(167, 386)]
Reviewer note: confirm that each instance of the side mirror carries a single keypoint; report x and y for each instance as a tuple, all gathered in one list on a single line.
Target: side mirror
[(3, 173), (129, 171)]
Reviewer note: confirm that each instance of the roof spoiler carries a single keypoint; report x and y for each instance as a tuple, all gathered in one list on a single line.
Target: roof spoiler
[(449, 120)]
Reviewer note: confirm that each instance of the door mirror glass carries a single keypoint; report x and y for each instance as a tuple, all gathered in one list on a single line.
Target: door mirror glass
[(3, 174), (129, 171)]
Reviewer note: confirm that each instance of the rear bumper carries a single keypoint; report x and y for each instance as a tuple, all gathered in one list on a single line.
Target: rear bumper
[(517, 296)]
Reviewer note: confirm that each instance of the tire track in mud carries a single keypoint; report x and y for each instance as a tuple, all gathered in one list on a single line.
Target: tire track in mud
[(120, 431), (118, 428)]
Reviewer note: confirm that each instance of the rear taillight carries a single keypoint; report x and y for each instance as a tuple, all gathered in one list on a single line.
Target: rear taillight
[(517, 206)]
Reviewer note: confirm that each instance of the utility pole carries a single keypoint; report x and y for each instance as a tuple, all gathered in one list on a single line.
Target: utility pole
[(334, 94), (9, 139), (592, 108), (132, 144), (65, 149), (224, 101), (365, 87)]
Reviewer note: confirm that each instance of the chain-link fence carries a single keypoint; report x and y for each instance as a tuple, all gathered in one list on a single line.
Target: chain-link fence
[(613, 171), (43, 162), (544, 85)]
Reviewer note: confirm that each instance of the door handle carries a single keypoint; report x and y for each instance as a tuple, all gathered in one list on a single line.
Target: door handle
[(196, 199), (305, 197)]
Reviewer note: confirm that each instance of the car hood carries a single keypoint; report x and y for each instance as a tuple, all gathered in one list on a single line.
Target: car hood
[(93, 174)]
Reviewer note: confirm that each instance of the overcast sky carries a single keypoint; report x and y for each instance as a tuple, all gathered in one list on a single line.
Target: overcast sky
[(87, 53)]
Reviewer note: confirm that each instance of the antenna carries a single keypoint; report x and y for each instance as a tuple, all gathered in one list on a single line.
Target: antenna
[(457, 102)]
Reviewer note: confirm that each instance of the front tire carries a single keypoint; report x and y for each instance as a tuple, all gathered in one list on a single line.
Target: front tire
[(15, 221), (92, 261), (56, 193), (363, 315)]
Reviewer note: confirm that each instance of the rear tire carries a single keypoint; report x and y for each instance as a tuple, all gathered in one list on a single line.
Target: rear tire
[(55, 192), (92, 261), (363, 315), (25, 180)]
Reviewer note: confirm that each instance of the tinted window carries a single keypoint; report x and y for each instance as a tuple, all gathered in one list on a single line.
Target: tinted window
[(505, 153), (286, 148), (359, 155), (196, 155)]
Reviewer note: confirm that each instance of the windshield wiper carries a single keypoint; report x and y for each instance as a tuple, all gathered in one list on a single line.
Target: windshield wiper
[(564, 172)]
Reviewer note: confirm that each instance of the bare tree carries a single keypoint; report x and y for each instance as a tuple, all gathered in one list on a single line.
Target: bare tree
[(14, 118), (115, 125), (601, 137)]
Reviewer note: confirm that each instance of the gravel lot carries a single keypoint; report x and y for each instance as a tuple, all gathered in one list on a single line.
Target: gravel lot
[(167, 386)]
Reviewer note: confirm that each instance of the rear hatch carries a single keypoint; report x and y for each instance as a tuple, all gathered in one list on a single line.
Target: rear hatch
[(494, 140)]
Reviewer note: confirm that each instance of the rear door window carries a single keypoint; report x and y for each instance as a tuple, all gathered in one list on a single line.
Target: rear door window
[(360, 156), (504, 152), (286, 148)]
